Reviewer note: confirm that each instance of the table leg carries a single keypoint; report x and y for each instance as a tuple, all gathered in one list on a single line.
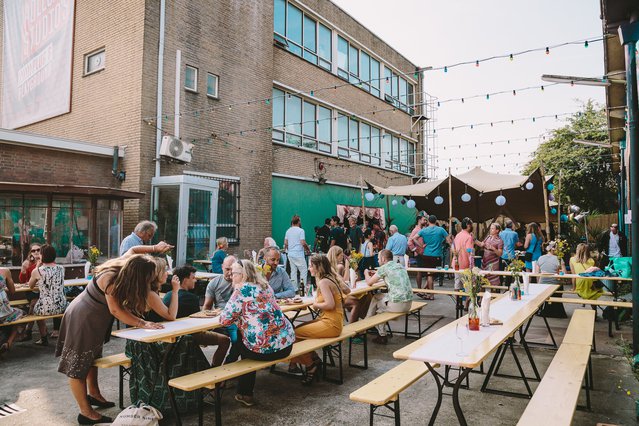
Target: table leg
[(440, 387), (165, 364), (456, 406)]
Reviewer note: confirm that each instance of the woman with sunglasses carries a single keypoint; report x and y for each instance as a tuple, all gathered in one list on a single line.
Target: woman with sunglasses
[(28, 266), (265, 332)]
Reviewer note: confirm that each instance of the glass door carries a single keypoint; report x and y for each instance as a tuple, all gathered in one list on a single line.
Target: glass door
[(185, 210)]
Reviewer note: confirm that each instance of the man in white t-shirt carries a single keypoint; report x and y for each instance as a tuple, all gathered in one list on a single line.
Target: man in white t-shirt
[(296, 247)]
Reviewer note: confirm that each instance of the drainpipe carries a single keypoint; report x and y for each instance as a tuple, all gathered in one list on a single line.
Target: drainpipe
[(158, 96), (628, 36)]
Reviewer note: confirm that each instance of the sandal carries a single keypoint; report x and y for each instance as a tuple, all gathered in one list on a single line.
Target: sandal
[(311, 375), (44, 341)]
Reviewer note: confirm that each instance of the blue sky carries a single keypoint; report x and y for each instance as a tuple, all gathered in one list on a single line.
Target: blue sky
[(437, 33)]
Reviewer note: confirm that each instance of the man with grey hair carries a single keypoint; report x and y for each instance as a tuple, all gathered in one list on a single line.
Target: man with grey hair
[(141, 235), (397, 244)]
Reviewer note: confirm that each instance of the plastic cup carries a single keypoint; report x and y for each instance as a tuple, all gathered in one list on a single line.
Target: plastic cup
[(446, 267)]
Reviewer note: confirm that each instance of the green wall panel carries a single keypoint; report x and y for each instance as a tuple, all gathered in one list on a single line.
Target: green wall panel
[(314, 203)]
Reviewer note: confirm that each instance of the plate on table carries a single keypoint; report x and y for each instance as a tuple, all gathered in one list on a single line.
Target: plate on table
[(207, 313), (291, 301)]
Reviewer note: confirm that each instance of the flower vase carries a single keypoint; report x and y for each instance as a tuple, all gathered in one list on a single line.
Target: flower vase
[(473, 314), (352, 275), (88, 269)]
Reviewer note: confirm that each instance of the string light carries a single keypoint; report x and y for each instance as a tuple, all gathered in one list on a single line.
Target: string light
[(512, 121), (547, 51), (511, 57), (488, 95)]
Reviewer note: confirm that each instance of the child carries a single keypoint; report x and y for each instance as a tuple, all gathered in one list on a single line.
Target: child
[(218, 257)]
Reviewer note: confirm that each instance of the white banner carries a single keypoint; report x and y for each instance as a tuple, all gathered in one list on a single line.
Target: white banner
[(37, 55)]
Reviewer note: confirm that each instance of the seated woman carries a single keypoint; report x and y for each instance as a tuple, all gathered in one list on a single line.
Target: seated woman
[(357, 304), (222, 245), (7, 313), (50, 280), (266, 333), (549, 264), (330, 321), (579, 263), (29, 264)]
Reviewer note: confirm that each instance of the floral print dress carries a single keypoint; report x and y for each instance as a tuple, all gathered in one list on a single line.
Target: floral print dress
[(264, 328), (52, 300), (7, 313)]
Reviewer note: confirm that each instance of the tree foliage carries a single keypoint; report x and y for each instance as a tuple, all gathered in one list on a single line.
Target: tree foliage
[(587, 177)]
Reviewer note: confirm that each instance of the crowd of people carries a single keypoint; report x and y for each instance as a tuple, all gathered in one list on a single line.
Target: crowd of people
[(248, 291)]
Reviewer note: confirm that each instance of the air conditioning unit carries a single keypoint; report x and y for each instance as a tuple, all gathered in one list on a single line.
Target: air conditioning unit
[(176, 149)]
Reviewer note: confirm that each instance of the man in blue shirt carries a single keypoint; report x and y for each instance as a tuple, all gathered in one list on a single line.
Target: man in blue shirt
[(510, 239), (434, 237), (277, 277), (141, 235), (397, 243)]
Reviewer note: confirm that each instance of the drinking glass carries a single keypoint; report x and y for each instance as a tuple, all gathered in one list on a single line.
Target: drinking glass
[(461, 331)]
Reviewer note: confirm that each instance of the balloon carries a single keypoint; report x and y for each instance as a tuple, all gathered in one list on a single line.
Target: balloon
[(465, 197), (550, 187), (551, 197), (500, 200), (410, 204), (564, 218), (439, 200), (369, 196), (529, 185), (394, 202), (553, 210)]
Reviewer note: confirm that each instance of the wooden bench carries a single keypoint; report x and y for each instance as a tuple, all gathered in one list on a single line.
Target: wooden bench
[(124, 364), (21, 302), (30, 318), (415, 312), (210, 378), (385, 389), (556, 396), (614, 304), (605, 293)]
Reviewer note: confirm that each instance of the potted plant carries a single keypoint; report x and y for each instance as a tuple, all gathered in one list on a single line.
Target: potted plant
[(515, 267), (93, 254), (473, 280)]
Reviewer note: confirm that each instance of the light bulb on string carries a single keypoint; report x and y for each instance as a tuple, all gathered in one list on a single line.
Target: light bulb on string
[(487, 96), (511, 57), (267, 102), (547, 51), (542, 88), (477, 63), (445, 69), (586, 43)]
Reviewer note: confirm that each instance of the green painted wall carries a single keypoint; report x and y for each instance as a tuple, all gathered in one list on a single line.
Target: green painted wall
[(314, 203)]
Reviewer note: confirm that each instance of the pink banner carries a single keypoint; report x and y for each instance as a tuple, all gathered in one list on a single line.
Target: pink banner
[(37, 55), (374, 214)]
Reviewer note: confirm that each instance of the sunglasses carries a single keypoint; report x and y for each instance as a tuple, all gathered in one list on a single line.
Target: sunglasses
[(35, 251)]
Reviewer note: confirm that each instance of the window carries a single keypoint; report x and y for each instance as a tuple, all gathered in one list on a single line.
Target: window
[(398, 91), (365, 70), (353, 138), (342, 135), (375, 83), (278, 115), (324, 127), (212, 82), (375, 151), (325, 47), (94, 62), (293, 120), (342, 57), (365, 142), (353, 64), (108, 224), (228, 210), (309, 126), (190, 78), (301, 34)]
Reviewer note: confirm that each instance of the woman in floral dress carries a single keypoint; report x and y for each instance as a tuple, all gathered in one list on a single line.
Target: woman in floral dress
[(493, 248), (7, 313), (50, 280), (266, 333)]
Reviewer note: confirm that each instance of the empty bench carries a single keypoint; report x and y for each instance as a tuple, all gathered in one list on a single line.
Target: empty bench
[(123, 363), (614, 304), (555, 399), (385, 389), (30, 318)]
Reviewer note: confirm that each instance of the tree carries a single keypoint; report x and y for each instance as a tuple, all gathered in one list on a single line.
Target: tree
[(588, 177)]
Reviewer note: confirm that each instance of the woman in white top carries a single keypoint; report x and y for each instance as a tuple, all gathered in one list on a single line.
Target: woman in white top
[(367, 250)]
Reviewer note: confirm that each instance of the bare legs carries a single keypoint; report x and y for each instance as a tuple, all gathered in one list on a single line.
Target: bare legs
[(79, 391)]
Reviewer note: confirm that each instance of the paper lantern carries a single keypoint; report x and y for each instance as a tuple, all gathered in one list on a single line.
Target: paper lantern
[(550, 187), (369, 196), (529, 185), (394, 202), (465, 197), (553, 210), (500, 200), (439, 200), (410, 204)]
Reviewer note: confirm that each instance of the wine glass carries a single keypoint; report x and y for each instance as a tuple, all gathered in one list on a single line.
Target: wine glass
[(461, 331)]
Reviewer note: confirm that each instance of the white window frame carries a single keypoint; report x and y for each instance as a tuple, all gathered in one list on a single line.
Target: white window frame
[(190, 89), (217, 86), (87, 58)]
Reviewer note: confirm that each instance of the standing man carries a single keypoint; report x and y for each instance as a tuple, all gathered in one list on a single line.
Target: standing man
[(397, 244), (434, 237), (141, 235), (400, 294), (355, 234), (323, 237), (277, 277), (614, 243), (296, 247), (416, 245), (464, 241), (338, 235), (510, 239)]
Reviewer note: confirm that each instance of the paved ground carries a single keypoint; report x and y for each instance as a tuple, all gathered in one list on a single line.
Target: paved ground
[(29, 379)]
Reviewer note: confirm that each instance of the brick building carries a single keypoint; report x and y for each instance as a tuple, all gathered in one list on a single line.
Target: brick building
[(261, 90)]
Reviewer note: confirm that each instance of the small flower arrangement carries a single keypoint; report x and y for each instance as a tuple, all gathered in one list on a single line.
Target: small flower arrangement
[(264, 269), (561, 248), (516, 267), (354, 259), (93, 253), (473, 280)]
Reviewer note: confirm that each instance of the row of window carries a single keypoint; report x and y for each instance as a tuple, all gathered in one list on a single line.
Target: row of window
[(312, 40), (301, 123), (191, 81)]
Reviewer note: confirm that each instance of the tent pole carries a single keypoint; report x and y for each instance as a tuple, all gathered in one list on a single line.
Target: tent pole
[(361, 187), (559, 207), (388, 216), (545, 192), (450, 202)]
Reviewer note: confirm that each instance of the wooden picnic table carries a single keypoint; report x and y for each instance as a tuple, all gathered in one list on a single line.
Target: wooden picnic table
[(203, 262), (508, 274), (206, 275), (23, 288), (443, 347)]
